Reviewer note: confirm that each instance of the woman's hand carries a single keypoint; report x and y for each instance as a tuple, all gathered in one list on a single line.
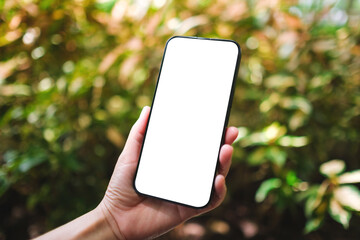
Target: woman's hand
[(123, 214)]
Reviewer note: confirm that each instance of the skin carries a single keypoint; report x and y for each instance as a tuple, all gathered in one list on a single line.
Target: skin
[(123, 214)]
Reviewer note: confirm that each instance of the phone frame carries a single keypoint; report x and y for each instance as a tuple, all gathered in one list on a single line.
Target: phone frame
[(225, 122)]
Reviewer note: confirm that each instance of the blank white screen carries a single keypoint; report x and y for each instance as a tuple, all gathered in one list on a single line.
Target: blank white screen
[(188, 114)]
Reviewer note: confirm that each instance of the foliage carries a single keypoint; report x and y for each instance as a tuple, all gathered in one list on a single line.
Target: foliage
[(74, 75), (332, 195)]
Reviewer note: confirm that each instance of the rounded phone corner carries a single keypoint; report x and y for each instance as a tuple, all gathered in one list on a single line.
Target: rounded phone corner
[(203, 204), (136, 188), (171, 39), (237, 46)]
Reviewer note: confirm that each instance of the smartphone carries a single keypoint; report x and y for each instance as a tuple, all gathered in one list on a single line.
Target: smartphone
[(188, 119)]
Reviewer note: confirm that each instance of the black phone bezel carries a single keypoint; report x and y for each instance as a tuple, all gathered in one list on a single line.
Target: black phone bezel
[(226, 120)]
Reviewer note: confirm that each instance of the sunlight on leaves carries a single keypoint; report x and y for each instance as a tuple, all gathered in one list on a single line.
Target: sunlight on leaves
[(350, 177), (332, 167), (348, 196), (339, 214)]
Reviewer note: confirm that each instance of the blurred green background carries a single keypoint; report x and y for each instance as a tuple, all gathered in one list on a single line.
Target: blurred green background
[(75, 74)]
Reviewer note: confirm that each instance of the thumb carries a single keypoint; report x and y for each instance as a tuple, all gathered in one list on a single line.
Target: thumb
[(136, 135)]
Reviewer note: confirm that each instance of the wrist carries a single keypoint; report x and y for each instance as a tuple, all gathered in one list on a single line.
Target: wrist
[(90, 226), (108, 218), (101, 226)]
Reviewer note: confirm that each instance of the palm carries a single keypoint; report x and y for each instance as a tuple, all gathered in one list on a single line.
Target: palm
[(158, 213)]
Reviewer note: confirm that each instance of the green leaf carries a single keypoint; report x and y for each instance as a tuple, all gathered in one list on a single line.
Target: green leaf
[(276, 156), (28, 163), (338, 213), (314, 201), (313, 224), (291, 178), (332, 167), (105, 5), (310, 205), (297, 120), (45, 4), (257, 157), (350, 177), (32, 158), (2, 2), (15, 90), (274, 131), (321, 80), (293, 141), (266, 187), (10, 156), (297, 102), (348, 196), (280, 81)]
